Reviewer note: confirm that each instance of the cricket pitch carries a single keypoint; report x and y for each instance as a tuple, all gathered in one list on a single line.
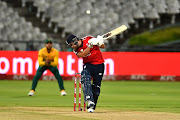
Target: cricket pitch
[(64, 113)]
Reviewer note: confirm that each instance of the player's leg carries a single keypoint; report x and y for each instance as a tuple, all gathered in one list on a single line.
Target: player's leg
[(55, 71), (87, 89), (97, 78), (96, 92), (39, 73), (86, 84)]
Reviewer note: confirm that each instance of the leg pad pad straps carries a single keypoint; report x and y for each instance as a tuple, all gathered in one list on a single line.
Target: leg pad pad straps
[(86, 85)]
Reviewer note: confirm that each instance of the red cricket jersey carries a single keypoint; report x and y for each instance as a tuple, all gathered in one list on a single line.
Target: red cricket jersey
[(95, 56)]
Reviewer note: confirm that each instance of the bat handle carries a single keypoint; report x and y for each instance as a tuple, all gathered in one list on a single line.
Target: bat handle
[(106, 35)]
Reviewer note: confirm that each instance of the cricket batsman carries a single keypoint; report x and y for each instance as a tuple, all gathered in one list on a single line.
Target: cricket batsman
[(48, 59), (88, 49)]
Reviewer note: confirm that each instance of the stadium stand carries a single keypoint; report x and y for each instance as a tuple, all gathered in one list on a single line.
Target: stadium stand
[(62, 17), (16, 28)]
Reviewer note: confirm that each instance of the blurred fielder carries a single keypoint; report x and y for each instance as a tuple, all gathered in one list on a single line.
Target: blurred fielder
[(88, 49), (48, 59)]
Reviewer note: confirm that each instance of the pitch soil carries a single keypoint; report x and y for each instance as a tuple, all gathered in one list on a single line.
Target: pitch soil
[(64, 113)]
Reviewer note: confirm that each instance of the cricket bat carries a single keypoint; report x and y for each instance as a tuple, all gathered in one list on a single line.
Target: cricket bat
[(114, 32)]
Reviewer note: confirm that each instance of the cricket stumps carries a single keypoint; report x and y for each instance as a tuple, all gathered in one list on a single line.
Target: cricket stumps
[(77, 78)]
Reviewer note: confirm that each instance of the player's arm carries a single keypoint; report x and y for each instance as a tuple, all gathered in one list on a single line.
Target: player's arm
[(99, 41), (55, 62), (84, 53), (40, 59), (102, 46)]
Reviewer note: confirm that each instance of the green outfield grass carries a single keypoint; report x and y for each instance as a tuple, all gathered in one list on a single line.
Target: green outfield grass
[(115, 95), (156, 37)]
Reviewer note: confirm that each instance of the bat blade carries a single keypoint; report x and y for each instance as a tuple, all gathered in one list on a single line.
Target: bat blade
[(115, 32)]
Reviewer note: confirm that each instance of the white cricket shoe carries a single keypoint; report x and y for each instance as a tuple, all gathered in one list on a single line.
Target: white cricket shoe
[(63, 93), (31, 93), (90, 110), (91, 106)]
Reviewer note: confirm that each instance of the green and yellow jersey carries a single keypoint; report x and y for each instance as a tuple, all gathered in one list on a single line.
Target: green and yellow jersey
[(53, 56)]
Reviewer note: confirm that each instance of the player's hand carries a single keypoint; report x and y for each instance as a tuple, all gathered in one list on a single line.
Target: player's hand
[(100, 40), (90, 45), (47, 62), (108, 34), (93, 41)]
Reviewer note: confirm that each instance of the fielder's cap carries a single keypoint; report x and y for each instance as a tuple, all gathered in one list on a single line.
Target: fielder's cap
[(48, 41), (71, 38)]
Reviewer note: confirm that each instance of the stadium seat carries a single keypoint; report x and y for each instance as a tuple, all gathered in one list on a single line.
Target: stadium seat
[(24, 2), (152, 15), (16, 28), (160, 5), (71, 15), (7, 46), (42, 5), (116, 5), (47, 13), (173, 9), (57, 46), (20, 46)]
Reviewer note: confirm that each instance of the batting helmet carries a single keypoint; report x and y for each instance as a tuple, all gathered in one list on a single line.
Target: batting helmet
[(71, 38)]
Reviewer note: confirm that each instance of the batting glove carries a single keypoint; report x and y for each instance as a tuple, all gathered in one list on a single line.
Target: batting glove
[(90, 45), (100, 40), (93, 41)]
